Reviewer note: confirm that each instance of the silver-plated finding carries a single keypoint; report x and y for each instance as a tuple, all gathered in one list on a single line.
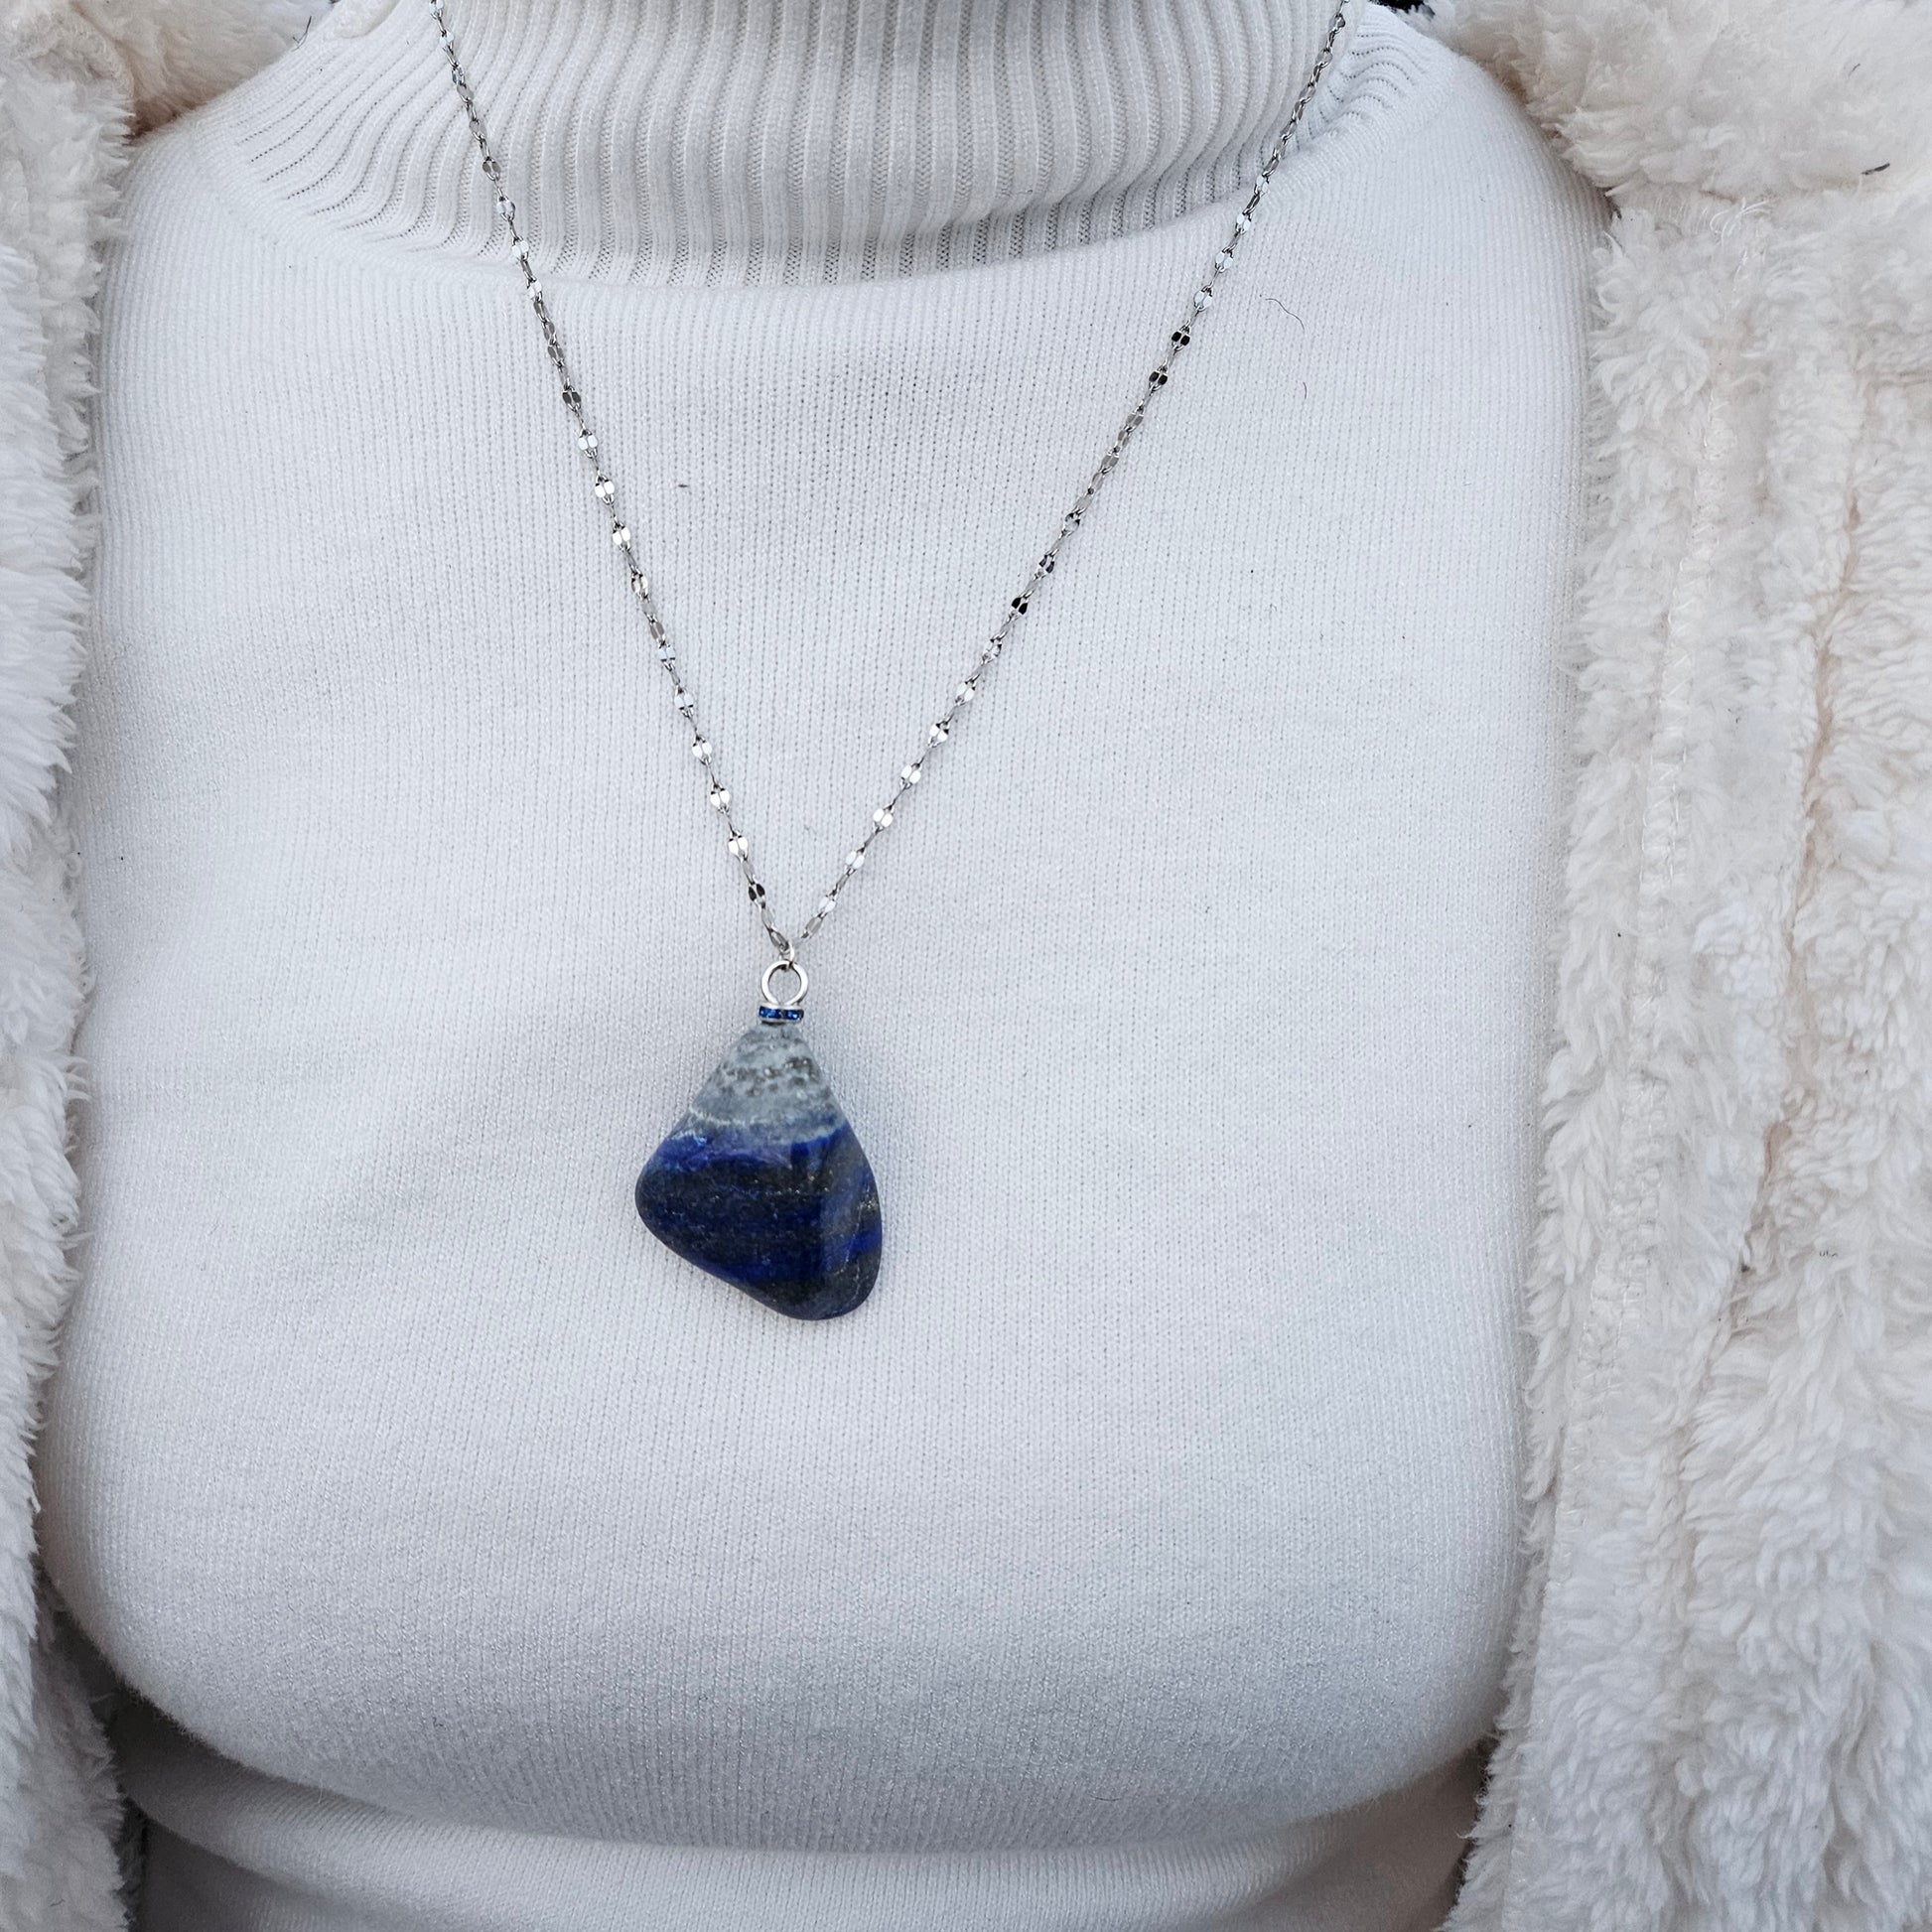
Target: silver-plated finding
[(605, 493), (797, 972)]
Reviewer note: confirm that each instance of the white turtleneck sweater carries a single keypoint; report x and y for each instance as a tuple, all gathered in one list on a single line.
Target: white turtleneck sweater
[(1139, 1557)]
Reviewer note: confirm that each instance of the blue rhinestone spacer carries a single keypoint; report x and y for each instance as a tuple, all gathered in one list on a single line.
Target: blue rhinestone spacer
[(772, 1015)]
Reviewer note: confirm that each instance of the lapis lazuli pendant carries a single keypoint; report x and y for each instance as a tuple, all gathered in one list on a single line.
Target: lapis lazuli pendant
[(763, 1182)]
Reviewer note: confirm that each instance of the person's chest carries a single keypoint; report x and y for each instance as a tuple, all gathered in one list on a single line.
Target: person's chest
[(1191, 1015)]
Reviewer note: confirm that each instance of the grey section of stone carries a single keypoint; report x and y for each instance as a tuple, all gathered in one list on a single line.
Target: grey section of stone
[(768, 1080)]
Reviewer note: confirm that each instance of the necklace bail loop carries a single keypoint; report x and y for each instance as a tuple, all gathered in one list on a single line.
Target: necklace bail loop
[(773, 1010)]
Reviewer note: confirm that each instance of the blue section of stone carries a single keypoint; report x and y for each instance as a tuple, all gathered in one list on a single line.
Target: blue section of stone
[(764, 1185)]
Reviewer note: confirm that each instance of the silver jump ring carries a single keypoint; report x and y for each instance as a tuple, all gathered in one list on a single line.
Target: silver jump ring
[(792, 967)]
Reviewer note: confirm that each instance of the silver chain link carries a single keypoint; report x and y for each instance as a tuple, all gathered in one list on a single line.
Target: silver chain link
[(604, 486)]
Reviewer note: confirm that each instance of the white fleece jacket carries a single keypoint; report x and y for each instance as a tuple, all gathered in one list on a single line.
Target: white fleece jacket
[(1720, 1713)]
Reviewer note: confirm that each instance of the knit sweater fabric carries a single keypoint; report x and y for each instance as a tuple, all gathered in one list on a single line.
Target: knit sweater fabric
[(1141, 1555)]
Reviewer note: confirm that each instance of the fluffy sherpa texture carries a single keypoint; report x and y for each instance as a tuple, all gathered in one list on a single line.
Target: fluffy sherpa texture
[(159, 58), (60, 144), (1744, 98), (1720, 1705), (1720, 1714)]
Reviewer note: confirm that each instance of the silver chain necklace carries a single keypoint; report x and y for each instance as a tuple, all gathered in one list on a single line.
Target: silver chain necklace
[(762, 1182)]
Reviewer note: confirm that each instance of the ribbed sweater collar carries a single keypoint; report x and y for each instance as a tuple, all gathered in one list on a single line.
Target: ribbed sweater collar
[(724, 141)]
